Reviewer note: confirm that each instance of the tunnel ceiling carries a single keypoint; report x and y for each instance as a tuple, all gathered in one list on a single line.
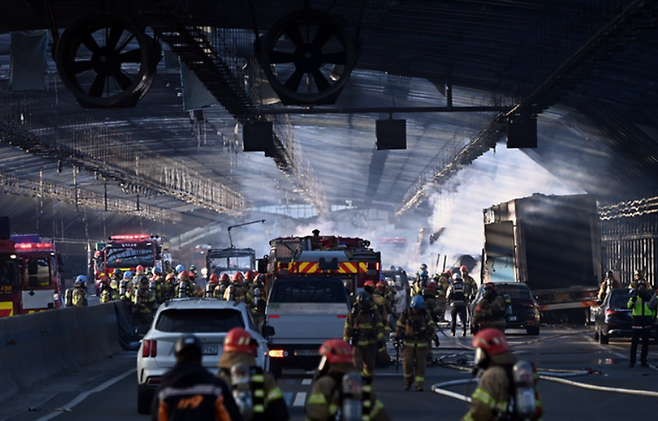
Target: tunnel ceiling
[(586, 69)]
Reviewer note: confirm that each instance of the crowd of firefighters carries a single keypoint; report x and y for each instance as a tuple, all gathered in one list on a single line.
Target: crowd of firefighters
[(372, 320), (144, 290)]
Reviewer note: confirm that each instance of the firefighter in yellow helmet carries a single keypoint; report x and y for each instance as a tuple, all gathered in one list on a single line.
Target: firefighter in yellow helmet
[(337, 386), (255, 391)]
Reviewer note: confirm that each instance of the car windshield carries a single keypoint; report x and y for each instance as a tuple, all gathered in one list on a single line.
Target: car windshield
[(308, 290), (516, 292), (199, 320), (117, 257)]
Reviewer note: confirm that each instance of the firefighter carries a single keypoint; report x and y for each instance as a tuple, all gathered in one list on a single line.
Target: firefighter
[(195, 288), (158, 285), (457, 299), (255, 391), (169, 285), (494, 363), (422, 278), (638, 277), (364, 328), (608, 284), (143, 302), (414, 328), (238, 291), (249, 278), (213, 282), (128, 277), (76, 295), (434, 311), (379, 297), (642, 321), (184, 286), (259, 282), (335, 375), (224, 282), (117, 275), (190, 392), (107, 292), (470, 289), (258, 310), (490, 310)]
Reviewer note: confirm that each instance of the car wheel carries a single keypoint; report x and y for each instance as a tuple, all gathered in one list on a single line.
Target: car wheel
[(532, 330), (144, 400), (603, 339)]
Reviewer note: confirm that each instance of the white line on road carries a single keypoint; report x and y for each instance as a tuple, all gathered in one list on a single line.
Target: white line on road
[(307, 381), (300, 398), (82, 396)]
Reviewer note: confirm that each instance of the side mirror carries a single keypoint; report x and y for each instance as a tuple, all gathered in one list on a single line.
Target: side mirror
[(268, 331), (262, 265), (32, 267)]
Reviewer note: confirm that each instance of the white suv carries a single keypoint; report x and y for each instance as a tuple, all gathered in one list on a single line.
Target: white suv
[(207, 318)]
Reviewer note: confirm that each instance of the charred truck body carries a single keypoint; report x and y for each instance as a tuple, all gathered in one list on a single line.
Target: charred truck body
[(551, 243)]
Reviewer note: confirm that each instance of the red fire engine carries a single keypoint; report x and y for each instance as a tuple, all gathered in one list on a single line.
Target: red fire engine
[(347, 258), (10, 284), (126, 252), (41, 278)]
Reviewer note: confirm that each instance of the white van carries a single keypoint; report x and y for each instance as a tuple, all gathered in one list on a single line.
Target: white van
[(305, 311)]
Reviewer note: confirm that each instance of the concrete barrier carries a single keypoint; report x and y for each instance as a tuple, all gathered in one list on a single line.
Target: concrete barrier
[(38, 345), (36, 354), (9, 386)]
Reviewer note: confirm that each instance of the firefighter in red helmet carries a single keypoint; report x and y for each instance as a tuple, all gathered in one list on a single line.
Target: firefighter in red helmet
[(255, 391), (238, 290), (337, 373), (498, 369)]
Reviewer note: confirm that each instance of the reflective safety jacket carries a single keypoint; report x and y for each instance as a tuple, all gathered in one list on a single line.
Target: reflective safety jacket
[(490, 400), (190, 392), (415, 329), (269, 403), (325, 399), (238, 291), (109, 294), (456, 294), (363, 328), (642, 315)]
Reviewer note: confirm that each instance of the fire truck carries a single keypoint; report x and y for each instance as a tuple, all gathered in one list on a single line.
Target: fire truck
[(126, 252), (347, 258), (40, 273), (307, 300), (10, 285)]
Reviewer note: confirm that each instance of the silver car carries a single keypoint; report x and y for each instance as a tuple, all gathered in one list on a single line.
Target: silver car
[(207, 318)]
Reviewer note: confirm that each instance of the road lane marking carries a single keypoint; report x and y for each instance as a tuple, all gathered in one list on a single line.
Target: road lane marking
[(300, 398), (82, 396), (307, 381)]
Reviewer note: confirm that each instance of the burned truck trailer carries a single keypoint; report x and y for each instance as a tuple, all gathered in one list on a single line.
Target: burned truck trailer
[(551, 243)]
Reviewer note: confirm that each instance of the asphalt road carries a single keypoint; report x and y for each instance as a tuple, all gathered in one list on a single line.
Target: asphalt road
[(107, 391)]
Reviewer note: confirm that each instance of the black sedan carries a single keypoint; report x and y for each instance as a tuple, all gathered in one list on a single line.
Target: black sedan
[(612, 318), (522, 310)]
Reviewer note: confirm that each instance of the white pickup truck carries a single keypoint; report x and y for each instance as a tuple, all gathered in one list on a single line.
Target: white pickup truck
[(305, 311)]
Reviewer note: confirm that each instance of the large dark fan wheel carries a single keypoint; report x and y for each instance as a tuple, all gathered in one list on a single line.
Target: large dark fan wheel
[(307, 57), (106, 61)]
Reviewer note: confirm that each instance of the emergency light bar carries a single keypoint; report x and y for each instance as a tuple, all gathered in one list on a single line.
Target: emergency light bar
[(34, 246), (130, 237)]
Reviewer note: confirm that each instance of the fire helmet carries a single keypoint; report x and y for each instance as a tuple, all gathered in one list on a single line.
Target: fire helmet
[(491, 340), (239, 340), (336, 351), (417, 303), (214, 278), (381, 285), (463, 269), (238, 277)]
